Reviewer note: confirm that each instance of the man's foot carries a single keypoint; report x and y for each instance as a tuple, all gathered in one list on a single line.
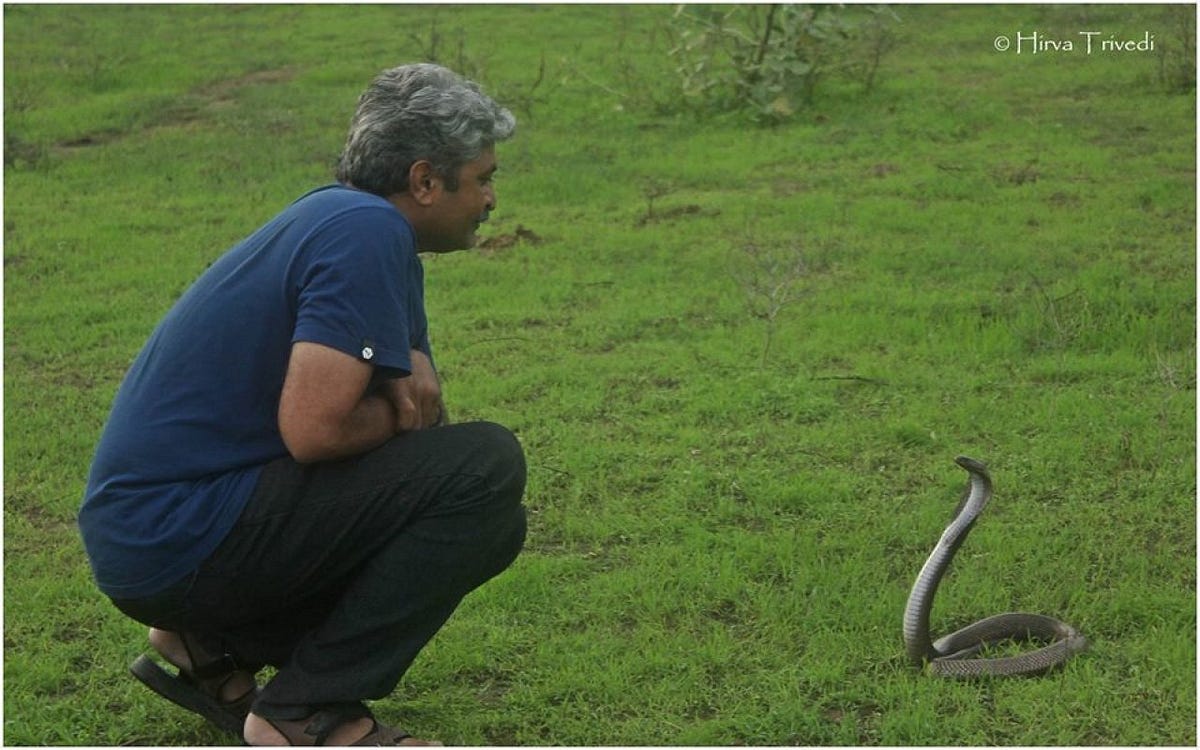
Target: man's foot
[(213, 687), (329, 728), (229, 687)]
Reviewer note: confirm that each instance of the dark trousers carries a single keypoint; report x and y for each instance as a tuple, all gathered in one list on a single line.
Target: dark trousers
[(339, 573)]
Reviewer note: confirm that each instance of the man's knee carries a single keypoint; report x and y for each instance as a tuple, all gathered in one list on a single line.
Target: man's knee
[(502, 460), (506, 476)]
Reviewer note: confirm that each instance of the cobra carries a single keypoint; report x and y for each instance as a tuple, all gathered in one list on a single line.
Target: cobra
[(956, 655)]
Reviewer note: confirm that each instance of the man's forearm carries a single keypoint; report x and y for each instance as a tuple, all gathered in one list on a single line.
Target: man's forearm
[(368, 425)]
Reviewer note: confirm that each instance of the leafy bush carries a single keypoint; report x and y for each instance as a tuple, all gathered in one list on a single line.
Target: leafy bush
[(1177, 50), (769, 59)]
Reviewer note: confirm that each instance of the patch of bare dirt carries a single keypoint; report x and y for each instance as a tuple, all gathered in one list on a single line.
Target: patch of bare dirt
[(521, 235)]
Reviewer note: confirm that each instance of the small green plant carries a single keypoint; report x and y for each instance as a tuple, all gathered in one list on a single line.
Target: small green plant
[(433, 45), (652, 190), (1177, 50), (22, 153), (1059, 320), (769, 276), (20, 98), (451, 49)]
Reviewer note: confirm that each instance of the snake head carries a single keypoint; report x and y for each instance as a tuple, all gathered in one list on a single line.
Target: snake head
[(973, 466), (979, 490)]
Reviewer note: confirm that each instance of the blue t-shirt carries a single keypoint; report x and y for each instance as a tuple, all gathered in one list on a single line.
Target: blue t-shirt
[(196, 417)]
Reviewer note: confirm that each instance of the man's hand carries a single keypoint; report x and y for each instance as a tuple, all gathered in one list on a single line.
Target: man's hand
[(417, 397)]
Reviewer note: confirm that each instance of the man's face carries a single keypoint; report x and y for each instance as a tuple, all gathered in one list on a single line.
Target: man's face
[(456, 215)]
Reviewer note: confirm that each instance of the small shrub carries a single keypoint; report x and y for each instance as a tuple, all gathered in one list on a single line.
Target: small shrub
[(1177, 50), (769, 277), (768, 60)]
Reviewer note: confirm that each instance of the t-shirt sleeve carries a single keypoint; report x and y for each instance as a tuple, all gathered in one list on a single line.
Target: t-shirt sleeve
[(359, 289)]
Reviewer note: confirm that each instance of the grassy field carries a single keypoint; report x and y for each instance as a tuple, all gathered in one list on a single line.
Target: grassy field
[(728, 499)]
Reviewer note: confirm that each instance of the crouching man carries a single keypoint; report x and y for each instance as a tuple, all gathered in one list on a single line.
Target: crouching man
[(277, 483)]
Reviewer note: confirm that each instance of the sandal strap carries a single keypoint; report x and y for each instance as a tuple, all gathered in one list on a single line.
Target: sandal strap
[(329, 718), (222, 666), (219, 667)]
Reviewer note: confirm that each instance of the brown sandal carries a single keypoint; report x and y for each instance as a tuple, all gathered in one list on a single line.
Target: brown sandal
[(317, 728), (199, 689)]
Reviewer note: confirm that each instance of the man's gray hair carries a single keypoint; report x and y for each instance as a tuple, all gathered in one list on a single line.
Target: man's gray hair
[(419, 112)]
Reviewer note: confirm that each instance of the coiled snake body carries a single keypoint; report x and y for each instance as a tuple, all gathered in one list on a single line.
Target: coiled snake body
[(950, 656)]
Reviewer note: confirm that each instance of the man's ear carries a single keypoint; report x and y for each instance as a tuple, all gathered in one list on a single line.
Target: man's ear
[(423, 185)]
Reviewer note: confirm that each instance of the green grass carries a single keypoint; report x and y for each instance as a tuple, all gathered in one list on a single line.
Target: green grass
[(1001, 263)]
